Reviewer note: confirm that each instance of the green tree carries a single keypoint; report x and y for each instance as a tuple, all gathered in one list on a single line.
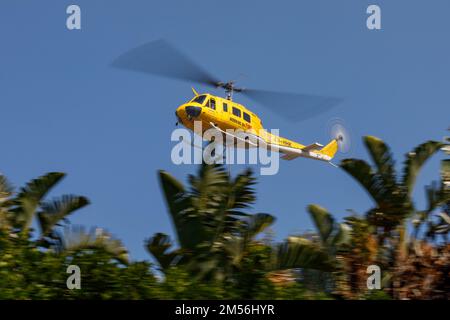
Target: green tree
[(29, 271), (216, 235), (390, 191), (212, 227), (380, 235), (392, 195), (19, 210)]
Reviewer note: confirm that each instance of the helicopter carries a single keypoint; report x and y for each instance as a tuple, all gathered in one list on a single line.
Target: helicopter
[(224, 114)]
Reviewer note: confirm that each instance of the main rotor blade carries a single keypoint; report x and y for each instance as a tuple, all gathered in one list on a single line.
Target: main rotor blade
[(162, 59), (293, 106)]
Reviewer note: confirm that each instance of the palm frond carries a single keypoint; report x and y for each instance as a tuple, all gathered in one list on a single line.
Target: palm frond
[(257, 223), (415, 160), (361, 171), (297, 252), (323, 221), (58, 209), (382, 157), (242, 190), (30, 197), (158, 246), (332, 234), (189, 229), (6, 189), (76, 238)]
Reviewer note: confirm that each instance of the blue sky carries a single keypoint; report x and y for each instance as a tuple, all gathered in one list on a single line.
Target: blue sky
[(63, 108)]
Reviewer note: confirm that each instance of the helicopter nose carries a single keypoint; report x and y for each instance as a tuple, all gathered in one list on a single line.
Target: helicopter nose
[(193, 111)]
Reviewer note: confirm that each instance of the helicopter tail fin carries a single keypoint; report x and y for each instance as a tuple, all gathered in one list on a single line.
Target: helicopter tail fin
[(330, 149)]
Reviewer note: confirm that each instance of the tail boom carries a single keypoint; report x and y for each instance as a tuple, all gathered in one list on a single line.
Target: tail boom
[(325, 154)]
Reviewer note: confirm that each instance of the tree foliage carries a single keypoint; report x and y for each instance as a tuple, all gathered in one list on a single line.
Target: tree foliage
[(220, 251)]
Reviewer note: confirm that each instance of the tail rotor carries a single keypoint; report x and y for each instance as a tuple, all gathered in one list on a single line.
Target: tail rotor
[(339, 132)]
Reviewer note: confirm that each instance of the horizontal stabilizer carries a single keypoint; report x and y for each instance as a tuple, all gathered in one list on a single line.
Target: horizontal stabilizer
[(290, 156), (314, 146)]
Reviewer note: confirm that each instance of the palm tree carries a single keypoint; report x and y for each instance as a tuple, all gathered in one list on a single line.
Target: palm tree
[(333, 235), (391, 194), (18, 210), (76, 239), (215, 233), (438, 197), (323, 246)]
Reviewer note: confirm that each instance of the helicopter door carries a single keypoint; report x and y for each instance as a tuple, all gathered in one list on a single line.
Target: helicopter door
[(212, 103), (211, 109), (236, 117)]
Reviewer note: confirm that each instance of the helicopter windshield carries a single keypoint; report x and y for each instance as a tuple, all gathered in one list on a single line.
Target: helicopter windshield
[(199, 99)]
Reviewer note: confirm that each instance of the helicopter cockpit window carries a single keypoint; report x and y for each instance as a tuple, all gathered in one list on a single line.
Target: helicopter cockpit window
[(225, 107), (247, 117), (199, 99), (236, 112)]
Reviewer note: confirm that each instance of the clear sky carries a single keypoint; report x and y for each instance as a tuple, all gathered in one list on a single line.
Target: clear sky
[(62, 107)]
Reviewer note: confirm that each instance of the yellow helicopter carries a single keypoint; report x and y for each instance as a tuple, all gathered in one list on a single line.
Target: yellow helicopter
[(161, 58)]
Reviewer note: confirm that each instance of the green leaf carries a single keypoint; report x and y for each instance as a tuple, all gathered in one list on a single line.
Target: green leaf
[(382, 157), (6, 189), (257, 223), (361, 171), (393, 202), (343, 235), (54, 211), (415, 160), (189, 229), (158, 246), (76, 238), (323, 221), (297, 252), (30, 197), (445, 173), (242, 190)]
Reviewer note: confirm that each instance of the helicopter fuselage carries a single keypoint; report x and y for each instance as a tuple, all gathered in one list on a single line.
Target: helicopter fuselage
[(226, 114)]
